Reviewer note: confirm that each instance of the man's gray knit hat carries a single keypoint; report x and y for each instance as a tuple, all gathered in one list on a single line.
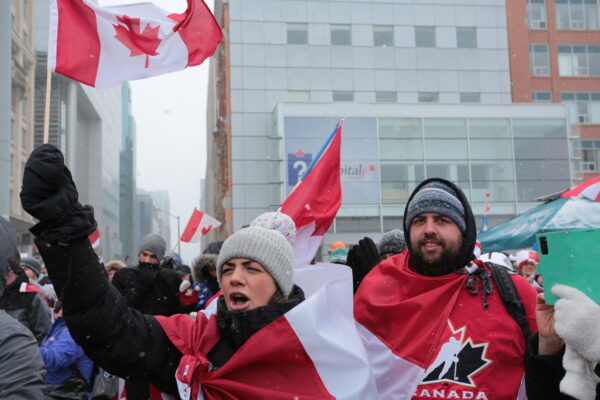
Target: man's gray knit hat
[(155, 244), (435, 197), (32, 264), (392, 242), (267, 247)]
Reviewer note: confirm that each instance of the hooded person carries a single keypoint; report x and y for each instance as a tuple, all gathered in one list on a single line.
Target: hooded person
[(22, 371), (204, 272), (423, 312), (264, 341)]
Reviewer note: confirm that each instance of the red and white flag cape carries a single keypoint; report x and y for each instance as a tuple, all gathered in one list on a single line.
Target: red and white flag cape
[(589, 189), (313, 351), (428, 337), (95, 238), (199, 225), (105, 46), (314, 203)]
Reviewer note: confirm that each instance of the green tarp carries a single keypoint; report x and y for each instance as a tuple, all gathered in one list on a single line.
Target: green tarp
[(558, 215)]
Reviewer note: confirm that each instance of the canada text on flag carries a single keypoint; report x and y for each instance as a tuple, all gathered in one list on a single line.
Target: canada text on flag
[(105, 46)]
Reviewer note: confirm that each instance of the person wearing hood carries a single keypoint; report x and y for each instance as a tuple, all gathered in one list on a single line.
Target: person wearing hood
[(432, 317), (218, 356), (22, 371), (204, 272)]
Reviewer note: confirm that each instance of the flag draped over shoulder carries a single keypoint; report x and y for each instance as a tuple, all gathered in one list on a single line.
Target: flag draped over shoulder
[(436, 339), (313, 351), (198, 225), (314, 203), (105, 46)]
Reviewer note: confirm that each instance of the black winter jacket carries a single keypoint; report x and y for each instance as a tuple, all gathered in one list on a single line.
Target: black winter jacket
[(150, 289), (29, 308), (121, 339)]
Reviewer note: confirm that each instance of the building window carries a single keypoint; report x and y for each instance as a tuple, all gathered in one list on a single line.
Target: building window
[(579, 60), (385, 97), (341, 35), (343, 95), (466, 38), (383, 35), (429, 97), (470, 97), (297, 33), (588, 152), (583, 107), (298, 95), (536, 14), (539, 59), (577, 14), (541, 97), (425, 36)]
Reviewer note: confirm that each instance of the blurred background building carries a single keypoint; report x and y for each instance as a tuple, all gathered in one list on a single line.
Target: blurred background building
[(429, 89)]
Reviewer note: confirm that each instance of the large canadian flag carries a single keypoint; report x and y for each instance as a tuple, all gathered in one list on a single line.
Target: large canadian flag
[(199, 225), (105, 46), (314, 203)]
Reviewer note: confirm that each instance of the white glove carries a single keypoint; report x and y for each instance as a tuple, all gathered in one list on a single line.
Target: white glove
[(577, 321), (580, 380)]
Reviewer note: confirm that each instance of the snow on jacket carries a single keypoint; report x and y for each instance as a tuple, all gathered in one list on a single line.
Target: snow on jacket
[(59, 352), (429, 337)]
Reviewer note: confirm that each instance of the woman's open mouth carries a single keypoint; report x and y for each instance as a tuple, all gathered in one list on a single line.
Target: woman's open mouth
[(238, 301)]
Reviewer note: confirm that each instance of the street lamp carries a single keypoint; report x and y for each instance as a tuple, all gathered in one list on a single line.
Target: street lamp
[(178, 230)]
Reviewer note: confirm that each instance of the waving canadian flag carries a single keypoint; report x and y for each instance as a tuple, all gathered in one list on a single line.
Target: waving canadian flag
[(199, 225), (105, 46)]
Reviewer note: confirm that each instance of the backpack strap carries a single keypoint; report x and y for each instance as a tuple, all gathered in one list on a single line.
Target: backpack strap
[(510, 297)]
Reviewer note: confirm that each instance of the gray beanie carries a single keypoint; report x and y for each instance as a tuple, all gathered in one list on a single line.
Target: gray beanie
[(392, 242), (436, 197), (32, 264), (155, 244), (267, 247)]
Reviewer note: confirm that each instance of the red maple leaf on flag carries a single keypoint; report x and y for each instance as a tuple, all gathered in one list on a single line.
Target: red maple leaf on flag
[(138, 42)]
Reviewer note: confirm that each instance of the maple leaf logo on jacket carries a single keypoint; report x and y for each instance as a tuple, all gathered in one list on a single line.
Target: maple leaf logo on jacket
[(138, 42)]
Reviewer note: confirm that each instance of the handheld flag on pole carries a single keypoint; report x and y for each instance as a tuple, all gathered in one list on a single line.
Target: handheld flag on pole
[(105, 46), (199, 225), (315, 201), (484, 221)]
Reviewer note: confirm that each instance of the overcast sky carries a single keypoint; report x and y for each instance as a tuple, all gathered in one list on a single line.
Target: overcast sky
[(170, 114)]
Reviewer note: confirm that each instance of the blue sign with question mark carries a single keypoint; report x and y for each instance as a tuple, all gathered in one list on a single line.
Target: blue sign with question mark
[(297, 165)]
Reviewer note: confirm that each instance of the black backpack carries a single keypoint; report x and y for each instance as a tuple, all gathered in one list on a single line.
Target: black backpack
[(510, 296)]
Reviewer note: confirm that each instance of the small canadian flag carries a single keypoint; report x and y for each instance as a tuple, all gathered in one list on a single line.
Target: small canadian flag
[(95, 238), (199, 225)]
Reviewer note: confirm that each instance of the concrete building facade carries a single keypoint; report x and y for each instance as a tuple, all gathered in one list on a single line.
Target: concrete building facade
[(425, 87)]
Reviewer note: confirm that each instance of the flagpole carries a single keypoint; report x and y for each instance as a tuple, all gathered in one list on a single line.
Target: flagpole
[(47, 106), (323, 148)]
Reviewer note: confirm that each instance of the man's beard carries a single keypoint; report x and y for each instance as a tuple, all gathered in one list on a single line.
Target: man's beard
[(442, 266)]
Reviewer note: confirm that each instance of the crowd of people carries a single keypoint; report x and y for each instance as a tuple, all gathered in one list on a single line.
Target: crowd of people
[(425, 313)]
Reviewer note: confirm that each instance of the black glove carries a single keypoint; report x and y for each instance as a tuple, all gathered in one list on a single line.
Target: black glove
[(49, 194), (362, 258)]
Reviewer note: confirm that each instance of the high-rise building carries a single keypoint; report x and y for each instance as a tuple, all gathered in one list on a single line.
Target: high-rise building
[(127, 176), (86, 124), (152, 215), (425, 90), (555, 47), (21, 93)]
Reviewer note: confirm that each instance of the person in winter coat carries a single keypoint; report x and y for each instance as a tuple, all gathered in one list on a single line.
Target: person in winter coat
[(33, 270), (432, 317), (223, 356), (204, 271), (22, 371), (61, 354), (26, 303)]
